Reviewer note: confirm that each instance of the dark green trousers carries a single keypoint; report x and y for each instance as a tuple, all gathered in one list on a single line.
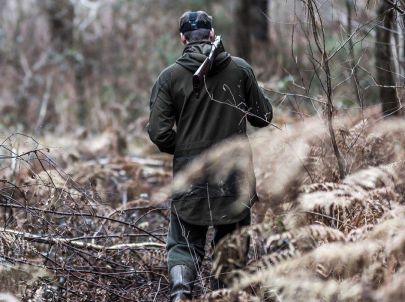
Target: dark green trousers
[(185, 242)]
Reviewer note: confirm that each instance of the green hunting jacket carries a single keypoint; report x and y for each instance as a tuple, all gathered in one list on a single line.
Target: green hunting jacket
[(185, 124)]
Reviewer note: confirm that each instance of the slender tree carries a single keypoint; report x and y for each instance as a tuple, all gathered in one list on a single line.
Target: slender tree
[(384, 61)]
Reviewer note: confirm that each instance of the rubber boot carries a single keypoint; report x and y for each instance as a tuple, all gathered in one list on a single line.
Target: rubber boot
[(181, 283)]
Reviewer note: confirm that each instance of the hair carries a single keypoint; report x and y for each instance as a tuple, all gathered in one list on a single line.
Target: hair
[(198, 34)]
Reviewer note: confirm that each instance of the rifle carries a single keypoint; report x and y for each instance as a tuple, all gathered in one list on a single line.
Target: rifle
[(206, 66)]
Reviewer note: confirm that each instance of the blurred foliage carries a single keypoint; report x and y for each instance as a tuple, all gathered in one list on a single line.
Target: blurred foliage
[(120, 46)]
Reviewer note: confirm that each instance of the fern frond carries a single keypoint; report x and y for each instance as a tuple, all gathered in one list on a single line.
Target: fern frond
[(227, 295)]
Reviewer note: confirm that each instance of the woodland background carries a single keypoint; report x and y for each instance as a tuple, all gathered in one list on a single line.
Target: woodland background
[(83, 214)]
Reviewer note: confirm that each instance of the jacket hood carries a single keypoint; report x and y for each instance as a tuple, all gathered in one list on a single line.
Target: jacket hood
[(195, 53)]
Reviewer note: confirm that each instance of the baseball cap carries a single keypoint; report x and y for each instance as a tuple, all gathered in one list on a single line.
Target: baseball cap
[(190, 21)]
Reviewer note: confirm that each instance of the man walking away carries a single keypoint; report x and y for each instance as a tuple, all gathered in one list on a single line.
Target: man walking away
[(185, 123)]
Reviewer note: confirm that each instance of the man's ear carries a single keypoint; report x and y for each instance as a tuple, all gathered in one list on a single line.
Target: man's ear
[(212, 35), (183, 39)]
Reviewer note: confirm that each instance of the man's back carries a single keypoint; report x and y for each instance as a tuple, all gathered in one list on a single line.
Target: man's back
[(229, 96)]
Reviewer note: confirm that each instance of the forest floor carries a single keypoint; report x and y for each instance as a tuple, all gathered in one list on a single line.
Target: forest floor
[(85, 218)]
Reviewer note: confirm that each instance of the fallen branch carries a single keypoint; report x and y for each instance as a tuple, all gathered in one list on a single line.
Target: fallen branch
[(80, 215), (81, 244)]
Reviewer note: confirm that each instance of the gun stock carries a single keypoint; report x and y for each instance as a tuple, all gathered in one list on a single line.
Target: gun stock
[(199, 75), (205, 67)]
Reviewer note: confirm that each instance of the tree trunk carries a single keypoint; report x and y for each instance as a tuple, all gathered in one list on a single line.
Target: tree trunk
[(260, 12), (60, 17), (384, 63), (242, 36), (22, 94), (401, 34), (354, 77)]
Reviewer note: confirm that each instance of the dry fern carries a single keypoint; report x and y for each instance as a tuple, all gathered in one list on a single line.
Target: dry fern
[(341, 260), (11, 244), (394, 290), (227, 295), (310, 288), (274, 249), (362, 198)]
